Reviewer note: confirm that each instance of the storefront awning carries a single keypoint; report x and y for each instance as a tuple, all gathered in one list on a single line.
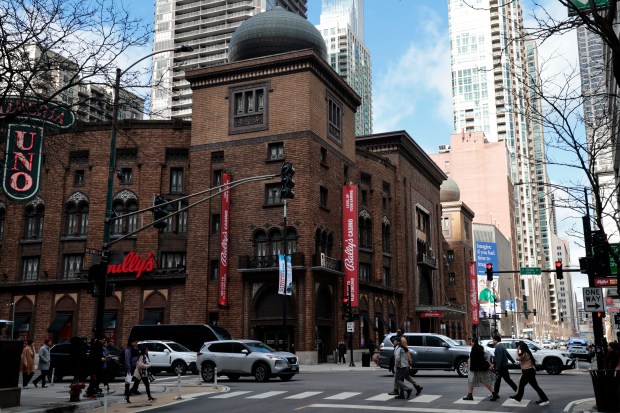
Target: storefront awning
[(59, 322)]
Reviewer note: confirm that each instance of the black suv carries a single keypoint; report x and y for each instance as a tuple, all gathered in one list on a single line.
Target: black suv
[(64, 364), (428, 352)]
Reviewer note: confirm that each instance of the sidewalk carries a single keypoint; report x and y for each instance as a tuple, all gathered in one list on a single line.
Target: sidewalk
[(55, 398)]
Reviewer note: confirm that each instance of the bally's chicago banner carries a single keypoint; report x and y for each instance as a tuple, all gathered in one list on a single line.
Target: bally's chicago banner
[(224, 232), (350, 254)]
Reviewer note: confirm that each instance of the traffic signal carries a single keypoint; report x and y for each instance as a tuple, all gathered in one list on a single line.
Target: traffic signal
[(96, 277), (287, 181), (489, 272), (159, 212), (534, 312), (561, 317), (600, 254), (525, 312), (559, 270), (346, 305)]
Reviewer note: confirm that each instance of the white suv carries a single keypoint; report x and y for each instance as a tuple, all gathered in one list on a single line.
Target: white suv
[(552, 361), (170, 356)]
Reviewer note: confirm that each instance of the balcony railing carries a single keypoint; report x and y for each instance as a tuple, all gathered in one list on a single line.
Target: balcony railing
[(268, 261), (428, 260), (322, 260)]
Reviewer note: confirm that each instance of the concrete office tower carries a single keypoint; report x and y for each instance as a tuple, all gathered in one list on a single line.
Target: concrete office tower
[(490, 94), (593, 71), (206, 26), (342, 27)]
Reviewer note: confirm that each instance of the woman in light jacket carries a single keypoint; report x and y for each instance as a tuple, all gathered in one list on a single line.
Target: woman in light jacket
[(528, 375), (141, 373), (27, 362)]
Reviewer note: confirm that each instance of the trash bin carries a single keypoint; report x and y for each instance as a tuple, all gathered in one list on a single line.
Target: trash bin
[(365, 359), (606, 385)]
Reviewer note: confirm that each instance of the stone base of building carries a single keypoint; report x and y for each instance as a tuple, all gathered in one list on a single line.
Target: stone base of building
[(10, 397)]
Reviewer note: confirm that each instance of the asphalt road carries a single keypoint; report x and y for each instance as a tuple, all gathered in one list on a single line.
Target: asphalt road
[(340, 391)]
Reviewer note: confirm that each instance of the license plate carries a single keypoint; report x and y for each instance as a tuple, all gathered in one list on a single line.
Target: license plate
[(293, 367)]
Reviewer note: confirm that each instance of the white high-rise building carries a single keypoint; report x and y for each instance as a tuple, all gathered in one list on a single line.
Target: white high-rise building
[(342, 27), (206, 26)]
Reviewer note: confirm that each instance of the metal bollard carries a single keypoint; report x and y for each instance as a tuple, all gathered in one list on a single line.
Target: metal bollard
[(105, 402), (215, 378), (178, 387), (52, 379)]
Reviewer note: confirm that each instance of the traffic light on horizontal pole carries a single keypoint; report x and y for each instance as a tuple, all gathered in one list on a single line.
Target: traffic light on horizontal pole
[(489, 272), (559, 270)]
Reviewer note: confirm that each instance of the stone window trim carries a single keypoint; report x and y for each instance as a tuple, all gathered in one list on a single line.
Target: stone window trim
[(248, 108), (334, 119)]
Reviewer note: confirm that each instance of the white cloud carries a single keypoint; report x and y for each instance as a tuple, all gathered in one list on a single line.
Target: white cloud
[(420, 76)]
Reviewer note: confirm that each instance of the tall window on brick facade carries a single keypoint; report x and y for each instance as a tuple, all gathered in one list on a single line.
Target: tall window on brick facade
[(386, 237), (30, 268), (334, 119), (78, 178), (324, 242), (123, 203), (176, 180), (276, 151), (215, 223), (248, 108), (33, 221), (323, 197), (176, 221), (217, 178), (272, 194), (172, 260), (387, 276), (365, 230), (72, 265), (125, 175), (364, 271), (76, 215), (215, 270)]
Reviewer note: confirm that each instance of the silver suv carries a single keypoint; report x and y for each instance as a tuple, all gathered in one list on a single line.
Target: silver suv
[(429, 352), (170, 356), (236, 358), (552, 361)]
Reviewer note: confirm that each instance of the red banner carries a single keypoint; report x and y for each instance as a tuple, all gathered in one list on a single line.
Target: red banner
[(605, 281), (224, 231), (473, 293), (349, 242)]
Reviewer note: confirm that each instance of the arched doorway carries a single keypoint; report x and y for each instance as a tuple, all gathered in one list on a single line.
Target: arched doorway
[(110, 318), (268, 319), (23, 315), (154, 309), (325, 342), (61, 328)]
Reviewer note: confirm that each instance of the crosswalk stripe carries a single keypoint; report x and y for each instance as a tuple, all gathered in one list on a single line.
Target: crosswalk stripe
[(230, 394), (425, 398), (475, 401), (342, 396), (381, 397), (514, 403), (266, 395), (304, 395)]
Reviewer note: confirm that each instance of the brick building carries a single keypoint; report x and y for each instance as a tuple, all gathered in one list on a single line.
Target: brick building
[(249, 116)]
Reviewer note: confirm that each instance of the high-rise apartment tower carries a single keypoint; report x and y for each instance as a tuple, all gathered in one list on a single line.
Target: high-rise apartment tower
[(206, 26)]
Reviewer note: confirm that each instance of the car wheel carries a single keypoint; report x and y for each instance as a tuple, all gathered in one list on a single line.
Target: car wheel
[(262, 372), (208, 372), (413, 372), (233, 377), (286, 377), (552, 366), (179, 367), (462, 368)]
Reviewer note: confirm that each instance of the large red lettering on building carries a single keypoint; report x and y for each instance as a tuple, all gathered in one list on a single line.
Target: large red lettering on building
[(133, 263)]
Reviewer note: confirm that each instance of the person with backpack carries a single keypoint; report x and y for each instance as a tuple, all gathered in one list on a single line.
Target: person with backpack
[(480, 371)]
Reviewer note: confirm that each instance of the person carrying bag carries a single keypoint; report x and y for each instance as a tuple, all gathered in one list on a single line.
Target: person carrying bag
[(141, 374)]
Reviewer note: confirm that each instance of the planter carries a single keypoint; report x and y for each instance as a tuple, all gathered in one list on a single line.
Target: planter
[(606, 385)]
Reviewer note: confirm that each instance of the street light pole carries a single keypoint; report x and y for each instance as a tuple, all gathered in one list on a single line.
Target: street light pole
[(105, 252)]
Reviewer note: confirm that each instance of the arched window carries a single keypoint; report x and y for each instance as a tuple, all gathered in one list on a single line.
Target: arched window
[(260, 244), (365, 230), (33, 219), (324, 242), (76, 215), (275, 242), (385, 236), (291, 241), (124, 202)]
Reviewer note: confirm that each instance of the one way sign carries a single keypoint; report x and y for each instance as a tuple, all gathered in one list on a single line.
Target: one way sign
[(593, 299)]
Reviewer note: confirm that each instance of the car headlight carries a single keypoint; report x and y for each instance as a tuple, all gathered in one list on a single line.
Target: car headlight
[(280, 362)]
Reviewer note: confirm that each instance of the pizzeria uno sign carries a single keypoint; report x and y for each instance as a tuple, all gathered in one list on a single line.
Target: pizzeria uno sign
[(27, 119)]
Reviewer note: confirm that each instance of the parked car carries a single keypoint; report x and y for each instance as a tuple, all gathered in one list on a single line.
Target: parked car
[(579, 349), (192, 336), (552, 361), (429, 352), (236, 358), (460, 342), (170, 356), (65, 361)]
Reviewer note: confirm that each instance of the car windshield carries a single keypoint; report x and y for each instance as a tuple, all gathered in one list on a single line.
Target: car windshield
[(259, 347), (452, 342), (178, 347), (532, 346)]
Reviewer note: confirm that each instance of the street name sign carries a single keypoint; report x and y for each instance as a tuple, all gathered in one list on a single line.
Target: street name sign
[(530, 271), (593, 299)]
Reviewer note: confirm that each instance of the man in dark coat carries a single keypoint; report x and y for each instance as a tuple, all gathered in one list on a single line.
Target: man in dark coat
[(501, 364)]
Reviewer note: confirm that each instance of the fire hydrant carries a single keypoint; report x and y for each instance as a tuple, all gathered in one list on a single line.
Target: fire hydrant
[(75, 389)]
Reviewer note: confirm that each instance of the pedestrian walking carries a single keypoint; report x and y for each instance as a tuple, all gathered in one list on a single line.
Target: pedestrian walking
[(141, 373), (502, 357), (130, 356), (418, 388), (96, 357), (612, 358), (401, 365), (105, 364), (342, 351), (528, 375), (480, 371), (27, 363), (44, 363)]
